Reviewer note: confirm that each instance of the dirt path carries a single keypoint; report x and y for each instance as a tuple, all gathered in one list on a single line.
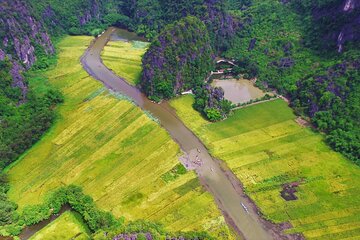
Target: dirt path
[(255, 103)]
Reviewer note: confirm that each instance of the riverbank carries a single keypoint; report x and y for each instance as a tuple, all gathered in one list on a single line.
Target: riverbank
[(68, 226), (124, 58)]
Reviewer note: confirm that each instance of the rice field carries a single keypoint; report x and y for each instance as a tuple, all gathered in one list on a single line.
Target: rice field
[(67, 227), (266, 148), (119, 156), (124, 58)]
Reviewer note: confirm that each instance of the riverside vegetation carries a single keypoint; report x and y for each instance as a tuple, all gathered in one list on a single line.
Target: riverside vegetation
[(68, 226)]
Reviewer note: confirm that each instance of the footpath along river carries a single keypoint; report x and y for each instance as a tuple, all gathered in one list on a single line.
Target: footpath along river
[(238, 210)]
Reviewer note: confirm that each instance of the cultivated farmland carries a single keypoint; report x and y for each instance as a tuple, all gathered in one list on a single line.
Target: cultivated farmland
[(119, 156), (124, 58), (266, 149), (68, 226)]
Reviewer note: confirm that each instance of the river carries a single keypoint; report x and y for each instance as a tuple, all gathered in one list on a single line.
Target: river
[(238, 210), (29, 231)]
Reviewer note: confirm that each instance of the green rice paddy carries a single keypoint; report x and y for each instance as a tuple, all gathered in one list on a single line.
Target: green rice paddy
[(124, 58), (115, 152), (266, 148), (68, 226)]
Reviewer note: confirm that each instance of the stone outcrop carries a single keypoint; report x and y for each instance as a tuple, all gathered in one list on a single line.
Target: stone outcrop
[(347, 15), (25, 30), (20, 35), (178, 60), (155, 14)]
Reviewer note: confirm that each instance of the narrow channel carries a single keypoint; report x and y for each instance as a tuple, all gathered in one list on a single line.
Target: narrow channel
[(29, 231), (235, 206)]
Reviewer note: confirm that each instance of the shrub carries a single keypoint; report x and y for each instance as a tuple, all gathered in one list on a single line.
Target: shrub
[(213, 114)]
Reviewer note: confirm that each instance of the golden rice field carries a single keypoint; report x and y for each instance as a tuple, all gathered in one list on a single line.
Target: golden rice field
[(67, 227), (266, 148), (124, 58), (116, 153)]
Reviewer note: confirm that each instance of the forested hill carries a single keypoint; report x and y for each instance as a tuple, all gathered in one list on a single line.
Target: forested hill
[(308, 51), (150, 16), (329, 24), (28, 28), (178, 60)]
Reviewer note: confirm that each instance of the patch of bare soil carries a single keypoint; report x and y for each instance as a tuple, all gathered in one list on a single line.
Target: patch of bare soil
[(6, 238), (191, 161), (289, 190), (302, 122)]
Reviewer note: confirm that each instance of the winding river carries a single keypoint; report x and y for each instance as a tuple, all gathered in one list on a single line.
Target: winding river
[(238, 210)]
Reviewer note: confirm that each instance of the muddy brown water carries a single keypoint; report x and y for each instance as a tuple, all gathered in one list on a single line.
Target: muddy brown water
[(238, 91), (236, 207), (119, 34)]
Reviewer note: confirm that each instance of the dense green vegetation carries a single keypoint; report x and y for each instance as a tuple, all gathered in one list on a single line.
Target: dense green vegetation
[(96, 220), (211, 102), (276, 46), (7, 208), (72, 195), (178, 60), (145, 17), (22, 121), (76, 17), (149, 17)]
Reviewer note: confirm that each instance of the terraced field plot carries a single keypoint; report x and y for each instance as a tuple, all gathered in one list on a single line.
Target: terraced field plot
[(120, 157), (124, 58), (266, 148), (68, 226)]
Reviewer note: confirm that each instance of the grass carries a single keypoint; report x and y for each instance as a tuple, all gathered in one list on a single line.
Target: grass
[(124, 58), (120, 157), (266, 148), (68, 226)]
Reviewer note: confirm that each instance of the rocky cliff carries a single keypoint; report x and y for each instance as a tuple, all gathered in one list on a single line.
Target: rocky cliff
[(334, 22), (309, 51), (26, 26), (178, 60), (20, 35), (343, 20), (151, 16), (69, 16)]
